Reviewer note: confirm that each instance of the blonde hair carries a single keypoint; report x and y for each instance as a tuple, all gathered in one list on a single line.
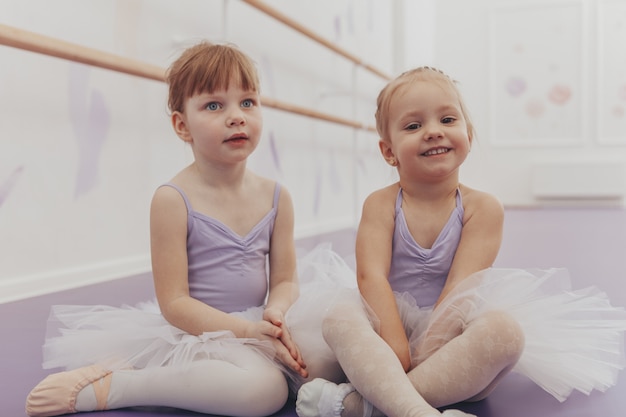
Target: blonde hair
[(207, 67), (418, 74)]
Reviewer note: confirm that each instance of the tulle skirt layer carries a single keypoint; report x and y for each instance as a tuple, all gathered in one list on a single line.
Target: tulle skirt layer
[(140, 337), (574, 339), (325, 282), (135, 337)]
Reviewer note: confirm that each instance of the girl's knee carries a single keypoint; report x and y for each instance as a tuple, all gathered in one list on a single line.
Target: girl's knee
[(267, 394), (342, 319), (504, 330)]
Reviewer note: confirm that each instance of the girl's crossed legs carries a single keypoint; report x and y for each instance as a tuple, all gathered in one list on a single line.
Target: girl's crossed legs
[(465, 366)]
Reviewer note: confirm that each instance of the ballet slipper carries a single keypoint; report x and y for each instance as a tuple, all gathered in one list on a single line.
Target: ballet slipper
[(56, 394), (321, 398)]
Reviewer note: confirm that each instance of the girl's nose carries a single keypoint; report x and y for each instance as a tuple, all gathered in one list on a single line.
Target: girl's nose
[(235, 118), (433, 131)]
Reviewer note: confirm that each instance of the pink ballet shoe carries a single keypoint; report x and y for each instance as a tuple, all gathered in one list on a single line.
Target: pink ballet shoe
[(56, 394)]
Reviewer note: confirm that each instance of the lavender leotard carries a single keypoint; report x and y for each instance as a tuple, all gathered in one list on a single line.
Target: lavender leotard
[(227, 271), (565, 330), (418, 271)]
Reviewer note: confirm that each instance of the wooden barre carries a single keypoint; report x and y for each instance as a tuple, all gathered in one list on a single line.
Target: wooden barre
[(33, 42), (312, 35), (45, 45), (292, 108)]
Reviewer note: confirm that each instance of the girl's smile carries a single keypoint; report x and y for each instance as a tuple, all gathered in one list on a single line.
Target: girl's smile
[(436, 151)]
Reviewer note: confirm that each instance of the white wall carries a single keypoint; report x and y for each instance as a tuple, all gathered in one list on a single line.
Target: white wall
[(543, 44), (82, 149)]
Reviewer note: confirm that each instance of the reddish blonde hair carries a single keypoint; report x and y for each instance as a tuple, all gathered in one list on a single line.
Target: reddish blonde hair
[(207, 67), (418, 74)]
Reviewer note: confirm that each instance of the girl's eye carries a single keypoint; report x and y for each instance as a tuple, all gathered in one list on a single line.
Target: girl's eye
[(247, 103), (447, 120), (413, 126), (214, 105)]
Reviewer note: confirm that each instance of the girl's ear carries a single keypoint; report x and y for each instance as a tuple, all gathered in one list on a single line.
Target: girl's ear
[(387, 152), (180, 126)]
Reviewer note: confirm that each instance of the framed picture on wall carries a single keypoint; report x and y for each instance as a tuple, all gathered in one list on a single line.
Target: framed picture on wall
[(537, 73), (611, 75)]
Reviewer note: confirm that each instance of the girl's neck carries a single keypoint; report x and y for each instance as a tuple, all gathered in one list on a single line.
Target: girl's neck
[(228, 176), (430, 191)]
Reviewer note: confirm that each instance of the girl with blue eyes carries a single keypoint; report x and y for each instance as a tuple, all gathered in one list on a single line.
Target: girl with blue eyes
[(434, 324), (224, 267)]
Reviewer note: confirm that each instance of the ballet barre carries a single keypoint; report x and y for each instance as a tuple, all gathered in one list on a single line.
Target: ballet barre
[(281, 17), (41, 44)]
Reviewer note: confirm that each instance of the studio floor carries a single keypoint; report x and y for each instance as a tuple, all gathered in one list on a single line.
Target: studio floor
[(23, 323)]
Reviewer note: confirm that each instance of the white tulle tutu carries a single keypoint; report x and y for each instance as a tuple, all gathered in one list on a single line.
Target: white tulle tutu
[(140, 337), (137, 337), (574, 339)]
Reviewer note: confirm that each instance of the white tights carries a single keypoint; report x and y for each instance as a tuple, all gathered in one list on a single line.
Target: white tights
[(251, 387), (465, 368)]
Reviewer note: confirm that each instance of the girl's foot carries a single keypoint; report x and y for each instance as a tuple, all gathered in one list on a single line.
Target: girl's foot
[(56, 394), (321, 398)]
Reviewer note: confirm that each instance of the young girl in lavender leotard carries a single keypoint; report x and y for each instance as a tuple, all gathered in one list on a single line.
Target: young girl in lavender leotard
[(435, 324), (218, 342)]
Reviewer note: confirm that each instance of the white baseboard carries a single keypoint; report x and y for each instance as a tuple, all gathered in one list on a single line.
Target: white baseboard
[(22, 287), (19, 288)]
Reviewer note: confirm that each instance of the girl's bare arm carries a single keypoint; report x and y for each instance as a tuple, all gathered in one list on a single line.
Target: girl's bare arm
[(373, 257)]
